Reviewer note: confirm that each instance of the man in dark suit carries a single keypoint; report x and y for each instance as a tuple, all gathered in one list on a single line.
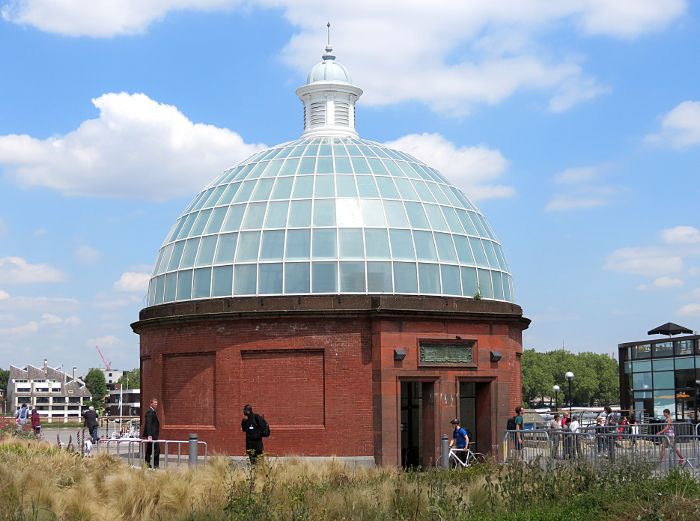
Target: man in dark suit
[(151, 430)]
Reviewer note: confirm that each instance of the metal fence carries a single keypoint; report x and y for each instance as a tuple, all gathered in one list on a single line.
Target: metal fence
[(605, 446), (132, 449)]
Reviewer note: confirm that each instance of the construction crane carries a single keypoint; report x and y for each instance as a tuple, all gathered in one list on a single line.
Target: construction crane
[(108, 365)]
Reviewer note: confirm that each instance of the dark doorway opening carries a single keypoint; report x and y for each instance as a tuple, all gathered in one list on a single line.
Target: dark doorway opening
[(417, 424), (474, 411)]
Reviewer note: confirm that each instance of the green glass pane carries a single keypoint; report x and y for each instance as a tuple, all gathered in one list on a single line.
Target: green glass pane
[(303, 187), (387, 188), (234, 217), (245, 279), (244, 192), (360, 165), (497, 285), (464, 252), (226, 248), (216, 220), (435, 217), (207, 246), (405, 278), (450, 280), (272, 246), (394, 169), (438, 193), (485, 285), (379, 277), (270, 279), (346, 186), (200, 223), (283, 188), (289, 167), (202, 283), (324, 165), (298, 244), (425, 247), (324, 276), (254, 216), (377, 166), (300, 214), (469, 282), (307, 165), (190, 253), (184, 285), (324, 243), (401, 244), (491, 254), (377, 243), (406, 189), (324, 212), (423, 192), (311, 150), (467, 222), (429, 278), (342, 165), (247, 250), (352, 277), (176, 255), (478, 251), (325, 186), (445, 248), (350, 243), (395, 214), (416, 215), (170, 287), (297, 277), (272, 169), (366, 186), (277, 214), (372, 212), (262, 190)]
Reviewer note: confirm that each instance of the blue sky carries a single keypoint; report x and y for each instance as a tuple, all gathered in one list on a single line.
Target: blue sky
[(574, 126)]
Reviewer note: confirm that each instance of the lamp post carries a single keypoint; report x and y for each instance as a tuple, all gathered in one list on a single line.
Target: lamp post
[(556, 390), (569, 376)]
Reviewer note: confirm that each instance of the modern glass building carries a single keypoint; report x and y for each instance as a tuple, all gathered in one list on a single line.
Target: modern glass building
[(661, 374)]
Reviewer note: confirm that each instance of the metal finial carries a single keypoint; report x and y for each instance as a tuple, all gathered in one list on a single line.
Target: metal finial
[(329, 33)]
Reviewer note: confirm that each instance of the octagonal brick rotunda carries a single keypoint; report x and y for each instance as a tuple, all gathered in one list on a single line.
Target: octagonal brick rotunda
[(345, 289)]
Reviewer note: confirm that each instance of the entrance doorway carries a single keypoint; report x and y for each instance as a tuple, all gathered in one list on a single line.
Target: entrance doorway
[(474, 413), (417, 424)]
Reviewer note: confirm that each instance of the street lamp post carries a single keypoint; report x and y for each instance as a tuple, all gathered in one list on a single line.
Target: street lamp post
[(556, 389), (569, 376)]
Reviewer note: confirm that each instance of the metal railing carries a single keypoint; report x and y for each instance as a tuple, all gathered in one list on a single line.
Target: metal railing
[(135, 454), (605, 445)]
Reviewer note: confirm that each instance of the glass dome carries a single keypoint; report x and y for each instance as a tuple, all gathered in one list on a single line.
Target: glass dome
[(330, 215)]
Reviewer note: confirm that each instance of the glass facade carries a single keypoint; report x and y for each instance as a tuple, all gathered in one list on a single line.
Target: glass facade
[(330, 215), (662, 374)]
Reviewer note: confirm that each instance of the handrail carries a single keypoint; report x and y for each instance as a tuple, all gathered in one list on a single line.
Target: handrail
[(140, 442)]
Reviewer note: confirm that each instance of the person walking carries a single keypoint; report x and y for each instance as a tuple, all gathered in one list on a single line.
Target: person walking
[(555, 427), (255, 428), (22, 414), (151, 431), (91, 423), (575, 445), (669, 439), (36, 422), (460, 438)]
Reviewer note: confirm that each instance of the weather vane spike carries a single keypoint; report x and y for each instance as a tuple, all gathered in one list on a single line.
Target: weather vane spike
[(329, 33)]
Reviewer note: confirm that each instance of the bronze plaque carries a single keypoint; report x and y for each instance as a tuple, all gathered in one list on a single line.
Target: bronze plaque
[(440, 353)]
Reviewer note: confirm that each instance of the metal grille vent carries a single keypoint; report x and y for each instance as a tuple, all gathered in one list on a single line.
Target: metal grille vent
[(318, 114), (342, 114)]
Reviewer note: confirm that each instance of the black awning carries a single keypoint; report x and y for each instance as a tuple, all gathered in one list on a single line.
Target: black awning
[(669, 328)]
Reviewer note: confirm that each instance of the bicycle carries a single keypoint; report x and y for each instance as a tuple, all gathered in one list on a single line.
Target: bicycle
[(469, 458)]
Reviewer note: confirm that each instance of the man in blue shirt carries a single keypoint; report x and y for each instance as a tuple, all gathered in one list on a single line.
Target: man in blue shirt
[(460, 438)]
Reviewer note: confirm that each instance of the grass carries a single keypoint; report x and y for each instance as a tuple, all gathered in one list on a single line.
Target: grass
[(40, 482)]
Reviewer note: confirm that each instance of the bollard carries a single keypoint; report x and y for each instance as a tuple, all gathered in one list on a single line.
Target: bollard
[(193, 450), (445, 444)]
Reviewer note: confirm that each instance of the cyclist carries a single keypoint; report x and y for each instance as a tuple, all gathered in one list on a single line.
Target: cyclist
[(460, 438)]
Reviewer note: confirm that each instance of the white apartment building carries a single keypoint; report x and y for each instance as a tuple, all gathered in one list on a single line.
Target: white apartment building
[(56, 395)]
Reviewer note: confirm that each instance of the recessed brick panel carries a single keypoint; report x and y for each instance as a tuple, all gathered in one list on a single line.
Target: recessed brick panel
[(189, 383), (286, 386)]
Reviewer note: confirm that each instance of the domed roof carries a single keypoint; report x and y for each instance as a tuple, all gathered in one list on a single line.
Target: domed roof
[(330, 213), (329, 70)]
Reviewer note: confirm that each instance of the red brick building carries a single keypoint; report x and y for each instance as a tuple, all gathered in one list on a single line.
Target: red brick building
[(346, 290)]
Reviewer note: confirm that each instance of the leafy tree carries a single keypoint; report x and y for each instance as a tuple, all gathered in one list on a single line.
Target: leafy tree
[(131, 379), (4, 378), (95, 382)]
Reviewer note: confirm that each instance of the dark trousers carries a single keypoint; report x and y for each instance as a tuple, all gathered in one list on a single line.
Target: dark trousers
[(152, 447), (93, 434), (254, 450)]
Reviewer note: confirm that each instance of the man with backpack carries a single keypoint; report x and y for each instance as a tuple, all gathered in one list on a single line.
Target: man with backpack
[(256, 428), (514, 426)]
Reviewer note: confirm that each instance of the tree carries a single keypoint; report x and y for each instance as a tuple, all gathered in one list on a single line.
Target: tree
[(95, 382), (4, 378), (131, 379)]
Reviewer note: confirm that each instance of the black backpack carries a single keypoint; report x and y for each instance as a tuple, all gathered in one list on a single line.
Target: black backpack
[(264, 427), (510, 426)]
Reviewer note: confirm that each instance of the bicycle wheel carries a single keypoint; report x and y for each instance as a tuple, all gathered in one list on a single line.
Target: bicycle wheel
[(477, 457)]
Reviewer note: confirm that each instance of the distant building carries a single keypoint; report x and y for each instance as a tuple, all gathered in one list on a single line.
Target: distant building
[(661, 374), (112, 376), (55, 394), (130, 400)]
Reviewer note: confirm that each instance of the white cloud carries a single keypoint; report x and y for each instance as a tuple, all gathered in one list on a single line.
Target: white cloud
[(681, 235), (583, 197), (497, 42), (88, 255), (20, 331), (106, 341), (668, 282), (106, 301), (577, 175), (16, 270), (73, 321), (136, 148), (690, 310), (48, 319), (680, 127), (648, 261), (10, 303), (41, 232), (469, 168), (133, 282)]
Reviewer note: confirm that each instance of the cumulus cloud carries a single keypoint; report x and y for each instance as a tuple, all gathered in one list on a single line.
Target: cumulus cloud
[(136, 148), (690, 310), (469, 168), (681, 235), (498, 42), (579, 190), (20, 331), (88, 255), (649, 261), (12, 303), (680, 127), (107, 341), (16, 270), (133, 282)]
